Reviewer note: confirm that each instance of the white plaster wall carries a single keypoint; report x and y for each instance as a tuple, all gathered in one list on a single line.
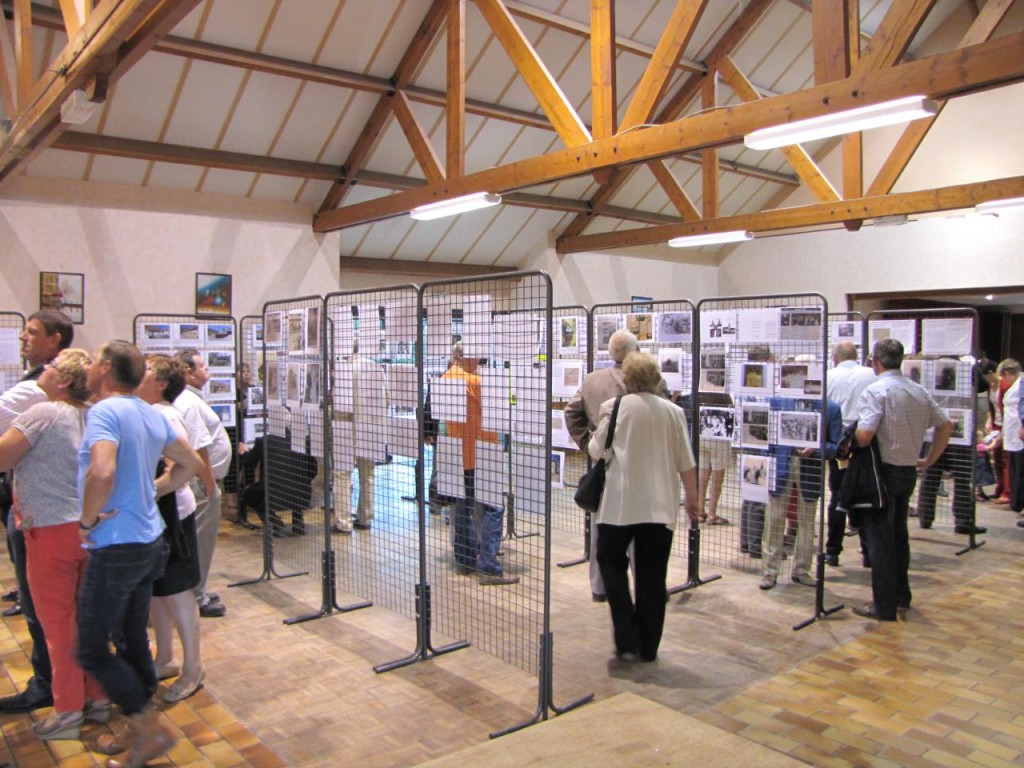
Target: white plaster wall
[(936, 254), (145, 262)]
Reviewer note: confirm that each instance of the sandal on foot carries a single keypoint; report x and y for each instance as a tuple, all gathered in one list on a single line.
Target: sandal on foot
[(718, 521), (182, 690)]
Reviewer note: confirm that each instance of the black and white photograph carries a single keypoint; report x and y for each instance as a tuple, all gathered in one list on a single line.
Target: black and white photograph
[(755, 433), (604, 327), (254, 399), (755, 471), (671, 363), (252, 428), (220, 360), (712, 380), (272, 385), (674, 328), (799, 429), (311, 388), (792, 377), (944, 380), (800, 324), (913, 370), (962, 426), (313, 330), (716, 423), (293, 381), (272, 330), (712, 360)]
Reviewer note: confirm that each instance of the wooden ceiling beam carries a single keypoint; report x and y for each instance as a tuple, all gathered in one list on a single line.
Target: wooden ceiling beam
[(795, 154), (564, 24), (72, 20), (151, 151), (534, 73), (944, 75), (893, 36), (830, 22), (602, 68), (8, 83), (814, 215), (409, 65), (455, 108), (676, 194), (984, 25), (23, 63), (660, 68), (853, 143), (748, 17), (115, 35), (422, 149), (709, 156)]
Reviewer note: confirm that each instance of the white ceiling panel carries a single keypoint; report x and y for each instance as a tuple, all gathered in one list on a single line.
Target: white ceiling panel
[(237, 23), (203, 105), (174, 176), (220, 181), (117, 170), (259, 114), (354, 42), (139, 104), (276, 187), (58, 164)]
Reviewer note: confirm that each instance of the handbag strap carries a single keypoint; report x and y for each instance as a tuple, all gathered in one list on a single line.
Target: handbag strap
[(611, 429)]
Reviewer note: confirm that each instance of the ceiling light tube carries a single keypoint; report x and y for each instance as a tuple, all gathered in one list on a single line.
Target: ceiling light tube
[(454, 206), (995, 206), (849, 121), (712, 238)]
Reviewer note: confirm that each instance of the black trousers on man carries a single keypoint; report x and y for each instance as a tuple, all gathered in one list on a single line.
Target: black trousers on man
[(888, 541)]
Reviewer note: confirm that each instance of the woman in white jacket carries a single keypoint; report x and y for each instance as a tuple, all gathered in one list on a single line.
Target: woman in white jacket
[(650, 454)]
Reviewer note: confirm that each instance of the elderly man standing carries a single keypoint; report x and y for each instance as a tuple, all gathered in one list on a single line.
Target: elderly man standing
[(898, 412), (847, 380), (122, 528), (199, 418), (581, 419), (46, 333)]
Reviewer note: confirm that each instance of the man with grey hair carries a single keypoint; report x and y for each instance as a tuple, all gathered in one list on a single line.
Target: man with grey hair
[(897, 411), (581, 419)]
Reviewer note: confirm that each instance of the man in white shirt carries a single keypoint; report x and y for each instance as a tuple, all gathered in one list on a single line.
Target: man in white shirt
[(217, 455), (847, 379), (1013, 432)]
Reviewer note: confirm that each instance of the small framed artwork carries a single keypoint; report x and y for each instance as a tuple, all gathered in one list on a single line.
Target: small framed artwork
[(225, 412), (64, 291), (213, 294)]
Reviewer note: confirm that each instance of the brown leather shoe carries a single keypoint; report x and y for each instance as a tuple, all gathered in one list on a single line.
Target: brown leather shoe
[(150, 740)]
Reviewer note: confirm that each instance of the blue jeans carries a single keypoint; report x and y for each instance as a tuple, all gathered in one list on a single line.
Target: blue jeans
[(114, 602), (476, 546)]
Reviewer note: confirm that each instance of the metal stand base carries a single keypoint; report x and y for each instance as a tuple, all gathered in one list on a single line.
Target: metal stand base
[(424, 648), (268, 564), (820, 611), (329, 604), (585, 558)]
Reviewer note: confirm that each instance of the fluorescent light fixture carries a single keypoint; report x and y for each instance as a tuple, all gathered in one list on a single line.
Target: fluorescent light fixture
[(77, 109), (850, 121), (455, 205), (995, 206), (893, 220), (713, 238), (990, 297)]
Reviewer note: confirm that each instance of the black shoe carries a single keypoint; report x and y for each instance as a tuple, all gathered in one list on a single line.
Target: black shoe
[(12, 596), (14, 610), (832, 559), (598, 597), (868, 611), (212, 610), (30, 699), (1020, 523), (298, 530), (923, 524), (978, 530), (361, 526)]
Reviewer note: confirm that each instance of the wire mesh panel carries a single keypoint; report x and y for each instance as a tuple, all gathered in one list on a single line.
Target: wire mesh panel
[(848, 326), (665, 330), (762, 424), (374, 440), (251, 402), (570, 353), (11, 325), (938, 344), (488, 567), (291, 451)]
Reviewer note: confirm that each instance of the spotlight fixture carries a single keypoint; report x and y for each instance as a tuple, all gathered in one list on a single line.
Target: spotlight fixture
[(77, 109), (712, 238), (454, 206), (994, 207), (848, 121)]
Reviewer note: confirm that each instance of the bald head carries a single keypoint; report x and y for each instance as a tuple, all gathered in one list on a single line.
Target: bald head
[(621, 344), (844, 350)]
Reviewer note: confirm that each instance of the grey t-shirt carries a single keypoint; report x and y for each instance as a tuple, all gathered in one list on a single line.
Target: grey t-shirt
[(47, 478)]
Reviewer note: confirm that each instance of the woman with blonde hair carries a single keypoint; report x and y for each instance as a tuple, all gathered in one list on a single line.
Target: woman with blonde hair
[(43, 444), (649, 455)]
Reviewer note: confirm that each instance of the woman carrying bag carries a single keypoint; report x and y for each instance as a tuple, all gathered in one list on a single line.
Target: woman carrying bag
[(649, 456)]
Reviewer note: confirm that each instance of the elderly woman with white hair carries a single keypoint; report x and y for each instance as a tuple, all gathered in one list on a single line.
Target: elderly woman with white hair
[(649, 456)]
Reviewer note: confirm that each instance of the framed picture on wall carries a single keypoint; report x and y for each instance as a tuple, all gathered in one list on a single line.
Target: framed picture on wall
[(213, 294), (64, 291)]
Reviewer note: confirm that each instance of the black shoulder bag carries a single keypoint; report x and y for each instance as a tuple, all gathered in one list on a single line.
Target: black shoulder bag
[(591, 485)]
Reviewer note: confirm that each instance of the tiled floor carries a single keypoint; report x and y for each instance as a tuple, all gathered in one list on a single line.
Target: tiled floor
[(943, 688)]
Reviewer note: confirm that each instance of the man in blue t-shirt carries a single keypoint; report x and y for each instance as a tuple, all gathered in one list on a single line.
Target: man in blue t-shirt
[(121, 526)]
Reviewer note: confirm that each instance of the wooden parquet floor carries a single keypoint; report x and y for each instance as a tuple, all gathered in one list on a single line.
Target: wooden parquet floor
[(943, 688)]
